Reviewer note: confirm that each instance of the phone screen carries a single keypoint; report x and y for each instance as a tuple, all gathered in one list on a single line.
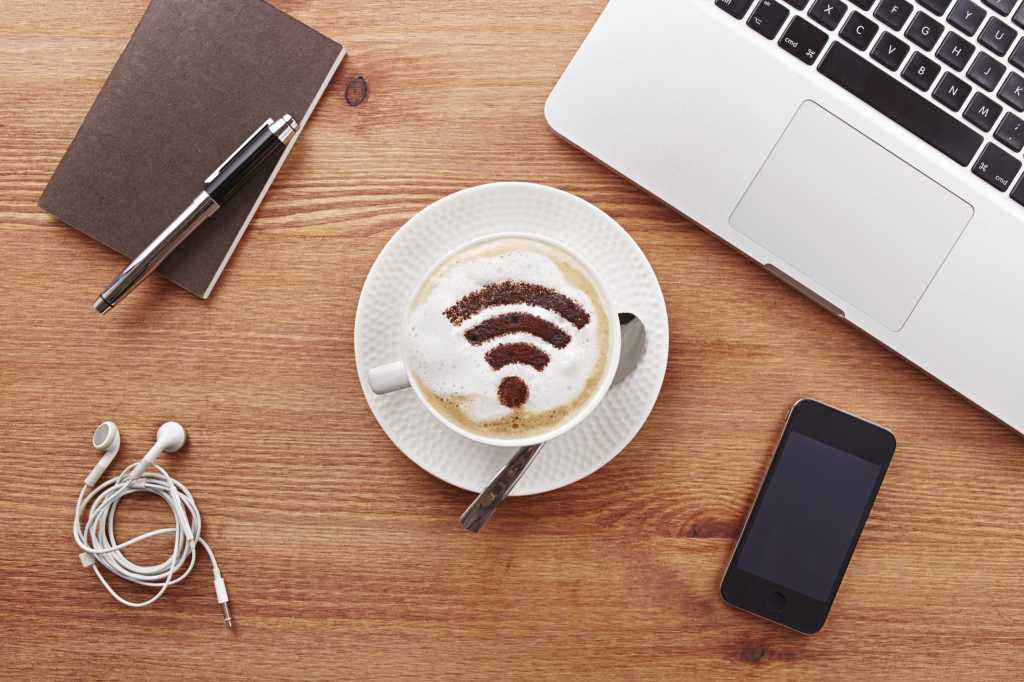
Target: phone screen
[(808, 516)]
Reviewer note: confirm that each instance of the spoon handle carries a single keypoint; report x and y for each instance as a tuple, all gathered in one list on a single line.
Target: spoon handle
[(483, 507)]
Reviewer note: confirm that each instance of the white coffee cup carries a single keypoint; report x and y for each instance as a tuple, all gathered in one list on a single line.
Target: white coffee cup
[(394, 376)]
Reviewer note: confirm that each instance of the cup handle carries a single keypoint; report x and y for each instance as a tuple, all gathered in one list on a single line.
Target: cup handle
[(388, 378)]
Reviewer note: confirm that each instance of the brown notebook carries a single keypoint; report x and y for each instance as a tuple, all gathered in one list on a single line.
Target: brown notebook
[(196, 78)]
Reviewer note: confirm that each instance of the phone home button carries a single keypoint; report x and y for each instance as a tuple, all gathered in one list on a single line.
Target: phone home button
[(776, 601)]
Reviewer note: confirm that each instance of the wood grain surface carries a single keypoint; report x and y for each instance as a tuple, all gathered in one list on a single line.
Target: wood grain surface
[(344, 560)]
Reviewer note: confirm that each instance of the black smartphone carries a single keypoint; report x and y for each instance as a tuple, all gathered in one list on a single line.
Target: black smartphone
[(804, 525)]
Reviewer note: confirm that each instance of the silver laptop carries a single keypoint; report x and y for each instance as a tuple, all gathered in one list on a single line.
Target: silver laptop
[(868, 152)]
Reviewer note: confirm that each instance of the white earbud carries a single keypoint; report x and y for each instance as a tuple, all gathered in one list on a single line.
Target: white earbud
[(101, 550), (106, 437), (170, 437)]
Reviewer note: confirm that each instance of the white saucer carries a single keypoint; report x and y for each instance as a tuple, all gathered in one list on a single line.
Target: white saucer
[(477, 212)]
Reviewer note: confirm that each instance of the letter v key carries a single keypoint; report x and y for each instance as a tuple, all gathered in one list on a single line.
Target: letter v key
[(889, 51)]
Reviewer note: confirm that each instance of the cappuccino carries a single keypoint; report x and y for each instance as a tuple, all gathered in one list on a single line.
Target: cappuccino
[(508, 338)]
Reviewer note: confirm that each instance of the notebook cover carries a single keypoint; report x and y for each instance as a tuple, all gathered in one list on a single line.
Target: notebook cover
[(196, 78)]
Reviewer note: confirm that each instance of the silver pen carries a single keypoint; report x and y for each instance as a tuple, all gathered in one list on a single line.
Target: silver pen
[(217, 188)]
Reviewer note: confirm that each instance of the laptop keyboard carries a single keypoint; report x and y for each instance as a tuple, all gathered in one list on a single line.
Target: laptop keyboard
[(949, 71)]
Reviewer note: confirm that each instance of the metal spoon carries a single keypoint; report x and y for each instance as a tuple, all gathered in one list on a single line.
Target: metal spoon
[(483, 507)]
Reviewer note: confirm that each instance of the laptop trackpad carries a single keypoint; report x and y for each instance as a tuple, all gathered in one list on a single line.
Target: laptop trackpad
[(858, 222)]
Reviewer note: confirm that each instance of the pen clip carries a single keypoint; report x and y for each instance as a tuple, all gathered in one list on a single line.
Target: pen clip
[(232, 155)]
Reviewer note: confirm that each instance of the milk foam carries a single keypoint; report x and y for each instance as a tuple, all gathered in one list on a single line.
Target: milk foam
[(457, 373)]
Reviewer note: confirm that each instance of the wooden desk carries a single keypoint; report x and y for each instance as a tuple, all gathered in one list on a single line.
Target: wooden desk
[(344, 560)]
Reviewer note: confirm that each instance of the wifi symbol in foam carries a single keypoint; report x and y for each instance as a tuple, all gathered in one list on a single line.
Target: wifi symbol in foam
[(513, 391)]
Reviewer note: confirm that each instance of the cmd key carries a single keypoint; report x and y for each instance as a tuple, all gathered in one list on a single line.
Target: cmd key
[(803, 40), (888, 96), (996, 167)]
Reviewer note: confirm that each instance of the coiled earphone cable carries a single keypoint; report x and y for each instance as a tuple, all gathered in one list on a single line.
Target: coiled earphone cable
[(97, 539)]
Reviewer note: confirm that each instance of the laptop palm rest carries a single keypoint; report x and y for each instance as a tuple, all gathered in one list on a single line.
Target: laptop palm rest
[(858, 223)]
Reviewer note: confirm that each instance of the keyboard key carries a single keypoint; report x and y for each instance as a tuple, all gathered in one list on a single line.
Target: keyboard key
[(894, 13), (937, 6), (1001, 6), (997, 36), (920, 71), (1017, 56), (863, 4), (828, 13), (924, 31), (1018, 16), (1012, 91), (888, 96), (955, 51), (982, 112), (951, 91), (889, 51), (1011, 132), (986, 71), (1018, 193), (803, 40), (966, 16), (798, 4), (996, 167), (859, 30), (737, 8), (767, 18)]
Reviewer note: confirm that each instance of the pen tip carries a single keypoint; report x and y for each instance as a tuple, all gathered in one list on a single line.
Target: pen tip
[(101, 306)]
